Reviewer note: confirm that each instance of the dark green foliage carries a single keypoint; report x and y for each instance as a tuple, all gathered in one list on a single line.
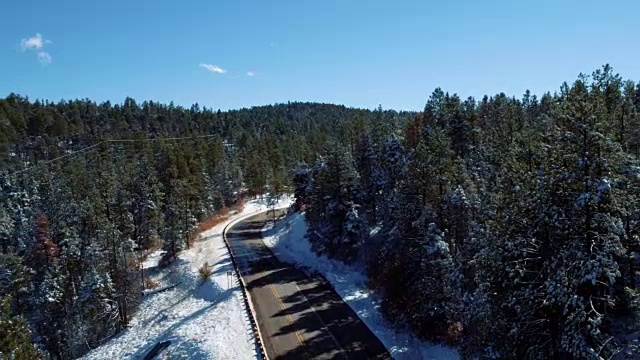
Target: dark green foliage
[(510, 228), (506, 226), (301, 183), (73, 231), (15, 342), (334, 195)]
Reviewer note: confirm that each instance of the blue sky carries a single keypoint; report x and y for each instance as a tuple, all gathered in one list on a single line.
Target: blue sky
[(357, 53)]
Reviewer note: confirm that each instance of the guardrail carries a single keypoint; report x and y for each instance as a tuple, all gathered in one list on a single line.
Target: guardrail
[(246, 297)]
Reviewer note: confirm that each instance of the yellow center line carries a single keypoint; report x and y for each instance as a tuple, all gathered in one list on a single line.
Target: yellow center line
[(288, 316)]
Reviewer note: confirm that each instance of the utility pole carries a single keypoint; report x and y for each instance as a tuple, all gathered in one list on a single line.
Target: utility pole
[(186, 223), (141, 264)]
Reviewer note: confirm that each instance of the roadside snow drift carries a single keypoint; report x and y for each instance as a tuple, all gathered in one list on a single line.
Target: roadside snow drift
[(288, 243), (202, 320)]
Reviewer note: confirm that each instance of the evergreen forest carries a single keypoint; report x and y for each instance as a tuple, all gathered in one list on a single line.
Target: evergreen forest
[(506, 226)]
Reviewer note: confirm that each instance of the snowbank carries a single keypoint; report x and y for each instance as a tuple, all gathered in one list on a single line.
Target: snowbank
[(202, 320), (290, 245)]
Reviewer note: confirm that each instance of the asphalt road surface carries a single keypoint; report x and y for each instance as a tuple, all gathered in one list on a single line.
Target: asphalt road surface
[(299, 317)]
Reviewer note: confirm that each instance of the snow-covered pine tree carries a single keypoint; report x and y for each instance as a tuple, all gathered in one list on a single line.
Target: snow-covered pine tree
[(15, 342), (366, 164), (6, 222), (16, 280), (582, 225), (301, 182), (146, 204), (334, 193), (417, 260), (391, 168)]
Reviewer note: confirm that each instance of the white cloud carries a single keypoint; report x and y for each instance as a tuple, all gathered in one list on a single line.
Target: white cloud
[(37, 43), (44, 57), (250, 73), (34, 42), (213, 68)]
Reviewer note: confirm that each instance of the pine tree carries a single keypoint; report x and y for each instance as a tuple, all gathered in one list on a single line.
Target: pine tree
[(365, 166), (584, 225), (146, 203), (391, 168), (16, 279), (15, 342), (334, 200), (301, 183)]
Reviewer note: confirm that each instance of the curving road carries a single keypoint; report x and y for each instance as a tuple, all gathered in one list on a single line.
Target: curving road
[(299, 317)]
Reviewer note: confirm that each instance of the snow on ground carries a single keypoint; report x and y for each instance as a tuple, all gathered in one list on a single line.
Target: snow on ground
[(202, 320), (152, 260), (290, 245)]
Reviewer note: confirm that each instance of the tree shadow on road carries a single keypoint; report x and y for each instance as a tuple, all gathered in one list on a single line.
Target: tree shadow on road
[(322, 316), (329, 327)]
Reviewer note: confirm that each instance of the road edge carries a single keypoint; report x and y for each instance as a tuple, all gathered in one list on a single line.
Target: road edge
[(246, 297), (311, 273)]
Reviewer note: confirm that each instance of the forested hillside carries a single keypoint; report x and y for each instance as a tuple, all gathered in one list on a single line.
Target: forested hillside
[(88, 189), (506, 226)]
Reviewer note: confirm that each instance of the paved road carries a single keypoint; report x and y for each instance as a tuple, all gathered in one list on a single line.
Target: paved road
[(299, 317)]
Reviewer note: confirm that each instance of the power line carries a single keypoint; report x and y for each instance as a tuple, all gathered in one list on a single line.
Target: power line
[(103, 142), (162, 139), (52, 160)]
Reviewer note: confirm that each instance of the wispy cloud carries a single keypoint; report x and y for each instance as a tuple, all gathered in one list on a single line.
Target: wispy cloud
[(250, 73), (44, 57), (213, 68), (34, 42)]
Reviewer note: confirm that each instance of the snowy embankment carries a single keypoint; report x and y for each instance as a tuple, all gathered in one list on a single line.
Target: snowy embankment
[(201, 320), (289, 244)]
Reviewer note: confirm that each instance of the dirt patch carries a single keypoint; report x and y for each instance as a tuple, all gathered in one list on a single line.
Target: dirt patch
[(216, 219)]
